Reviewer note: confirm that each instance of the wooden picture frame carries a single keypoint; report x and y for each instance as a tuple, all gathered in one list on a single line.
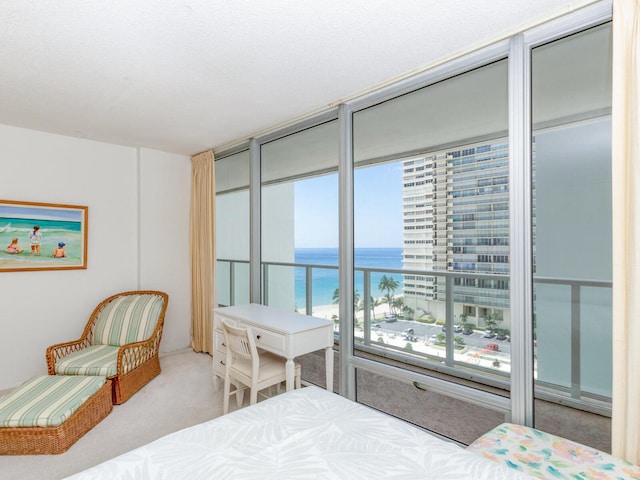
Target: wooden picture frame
[(42, 236)]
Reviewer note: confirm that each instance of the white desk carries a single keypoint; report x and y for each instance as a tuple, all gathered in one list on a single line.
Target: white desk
[(284, 333)]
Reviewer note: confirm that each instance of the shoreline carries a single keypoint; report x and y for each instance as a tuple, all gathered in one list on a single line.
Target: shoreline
[(27, 261), (328, 311)]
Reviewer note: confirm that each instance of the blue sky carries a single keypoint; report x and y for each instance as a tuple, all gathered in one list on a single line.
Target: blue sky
[(377, 209)]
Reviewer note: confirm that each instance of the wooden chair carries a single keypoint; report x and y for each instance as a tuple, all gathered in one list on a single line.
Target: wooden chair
[(249, 367), (120, 341)]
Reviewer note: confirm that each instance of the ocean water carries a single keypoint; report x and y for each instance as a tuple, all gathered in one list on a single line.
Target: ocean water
[(53, 232), (325, 280)]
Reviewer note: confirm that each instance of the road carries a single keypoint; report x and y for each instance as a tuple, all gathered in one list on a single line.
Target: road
[(424, 331)]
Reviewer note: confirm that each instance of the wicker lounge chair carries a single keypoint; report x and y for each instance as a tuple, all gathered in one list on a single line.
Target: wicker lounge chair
[(120, 341)]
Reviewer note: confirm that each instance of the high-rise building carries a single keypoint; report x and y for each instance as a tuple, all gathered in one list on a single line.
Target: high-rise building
[(456, 219)]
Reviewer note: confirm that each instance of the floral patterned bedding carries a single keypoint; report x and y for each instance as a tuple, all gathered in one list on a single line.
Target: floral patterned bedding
[(543, 455)]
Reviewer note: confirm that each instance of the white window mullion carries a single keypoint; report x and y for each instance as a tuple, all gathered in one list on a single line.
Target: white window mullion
[(345, 260), (255, 259), (520, 232)]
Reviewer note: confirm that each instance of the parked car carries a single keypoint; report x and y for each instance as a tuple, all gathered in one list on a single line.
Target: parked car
[(501, 336), (390, 318), (489, 334), (493, 346), (457, 328), (408, 334), (467, 331)]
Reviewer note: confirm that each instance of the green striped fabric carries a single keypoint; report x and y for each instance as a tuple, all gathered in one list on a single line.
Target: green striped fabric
[(46, 401), (127, 319), (93, 360)]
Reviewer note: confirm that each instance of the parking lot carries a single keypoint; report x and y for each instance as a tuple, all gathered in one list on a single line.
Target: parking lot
[(425, 333)]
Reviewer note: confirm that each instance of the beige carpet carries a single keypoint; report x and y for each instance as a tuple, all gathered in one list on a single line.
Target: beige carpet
[(181, 396)]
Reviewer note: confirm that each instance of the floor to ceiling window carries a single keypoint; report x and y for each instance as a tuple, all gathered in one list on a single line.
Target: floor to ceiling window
[(299, 221), (232, 229), (431, 212), (571, 113), (436, 271)]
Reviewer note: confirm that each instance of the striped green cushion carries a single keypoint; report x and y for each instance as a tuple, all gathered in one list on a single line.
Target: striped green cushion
[(127, 319), (93, 360), (46, 401)]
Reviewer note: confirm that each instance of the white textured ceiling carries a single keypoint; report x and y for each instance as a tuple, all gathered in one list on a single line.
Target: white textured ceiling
[(183, 76)]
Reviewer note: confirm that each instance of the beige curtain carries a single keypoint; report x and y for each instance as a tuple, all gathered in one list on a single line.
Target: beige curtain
[(626, 231), (202, 251)]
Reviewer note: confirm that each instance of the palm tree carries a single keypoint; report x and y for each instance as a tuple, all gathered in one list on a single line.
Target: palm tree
[(388, 299), (389, 285), (398, 304), (408, 312), (356, 298), (373, 303), (491, 321)]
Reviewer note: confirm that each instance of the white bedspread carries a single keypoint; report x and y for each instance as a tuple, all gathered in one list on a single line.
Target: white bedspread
[(304, 434)]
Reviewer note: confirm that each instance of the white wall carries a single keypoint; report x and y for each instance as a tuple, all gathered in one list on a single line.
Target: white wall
[(138, 237), (165, 187)]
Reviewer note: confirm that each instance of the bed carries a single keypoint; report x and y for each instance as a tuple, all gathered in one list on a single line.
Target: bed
[(303, 434)]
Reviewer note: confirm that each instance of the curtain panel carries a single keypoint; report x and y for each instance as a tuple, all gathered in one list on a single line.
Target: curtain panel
[(625, 422), (202, 225)]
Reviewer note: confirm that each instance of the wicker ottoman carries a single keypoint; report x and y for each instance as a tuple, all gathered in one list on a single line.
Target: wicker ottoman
[(49, 413)]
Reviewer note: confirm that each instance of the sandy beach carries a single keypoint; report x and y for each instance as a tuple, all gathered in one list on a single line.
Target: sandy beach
[(328, 311), (17, 261), (325, 311), (26, 261)]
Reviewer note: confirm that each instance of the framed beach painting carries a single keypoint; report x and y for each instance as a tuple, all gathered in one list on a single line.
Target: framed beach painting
[(42, 236)]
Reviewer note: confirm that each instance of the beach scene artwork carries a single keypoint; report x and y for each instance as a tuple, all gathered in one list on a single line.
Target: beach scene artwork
[(42, 236)]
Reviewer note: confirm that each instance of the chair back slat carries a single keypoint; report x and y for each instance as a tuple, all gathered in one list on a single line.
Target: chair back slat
[(240, 341), (244, 368)]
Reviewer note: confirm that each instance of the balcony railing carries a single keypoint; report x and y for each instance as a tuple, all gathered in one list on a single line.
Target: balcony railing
[(572, 392)]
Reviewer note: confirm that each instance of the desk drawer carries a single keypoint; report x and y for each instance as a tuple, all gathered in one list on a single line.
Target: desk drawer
[(268, 340), (219, 342), (219, 364)]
